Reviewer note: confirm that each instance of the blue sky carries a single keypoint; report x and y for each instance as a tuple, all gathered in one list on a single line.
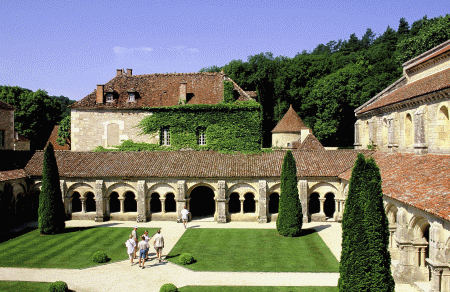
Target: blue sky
[(67, 47)]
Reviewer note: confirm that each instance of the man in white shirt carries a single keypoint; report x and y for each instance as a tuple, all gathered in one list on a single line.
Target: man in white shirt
[(159, 244), (185, 216), (143, 247), (131, 245)]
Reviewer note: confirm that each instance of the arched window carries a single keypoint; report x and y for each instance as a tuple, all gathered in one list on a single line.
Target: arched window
[(170, 205), (113, 135), (367, 141), (314, 203), (130, 204), (234, 205), (90, 202), (384, 132), (274, 201), (76, 202), (442, 127), (408, 131), (249, 203), (201, 136), (329, 205), (155, 203), (165, 136), (114, 203)]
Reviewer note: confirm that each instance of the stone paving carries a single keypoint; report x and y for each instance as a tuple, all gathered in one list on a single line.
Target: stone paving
[(121, 276)]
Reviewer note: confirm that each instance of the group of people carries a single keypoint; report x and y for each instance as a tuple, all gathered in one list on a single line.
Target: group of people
[(143, 246)]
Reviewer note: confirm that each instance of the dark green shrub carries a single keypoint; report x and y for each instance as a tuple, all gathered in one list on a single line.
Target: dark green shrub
[(169, 287), (51, 208), (289, 221), (99, 257), (186, 259), (58, 286)]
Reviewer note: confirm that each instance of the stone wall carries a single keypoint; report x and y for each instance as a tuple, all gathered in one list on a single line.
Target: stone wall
[(282, 139), (7, 125), (93, 128)]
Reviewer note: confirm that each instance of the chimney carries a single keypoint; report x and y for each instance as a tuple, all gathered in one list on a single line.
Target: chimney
[(100, 91), (119, 72), (129, 72), (183, 86)]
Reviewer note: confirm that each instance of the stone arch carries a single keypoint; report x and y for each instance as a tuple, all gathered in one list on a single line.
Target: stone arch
[(274, 202), (442, 130), (155, 203), (249, 203), (329, 206), (391, 213), (169, 203), (81, 188), (241, 189), (234, 205), (408, 130), (161, 188), (90, 202), (314, 203), (421, 237), (34, 203), (114, 202), (130, 202), (202, 200), (120, 188)]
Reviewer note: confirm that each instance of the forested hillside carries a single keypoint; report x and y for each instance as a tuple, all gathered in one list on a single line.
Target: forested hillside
[(326, 85), (36, 112)]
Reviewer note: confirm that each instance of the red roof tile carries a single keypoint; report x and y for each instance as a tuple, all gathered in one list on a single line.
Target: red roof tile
[(54, 136), (435, 82), (12, 174), (438, 50), (290, 123), (154, 90), (310, 143)]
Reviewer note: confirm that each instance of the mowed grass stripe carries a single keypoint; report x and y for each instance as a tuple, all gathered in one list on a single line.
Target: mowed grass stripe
[(72, 249), (256, 289), (258, 250)]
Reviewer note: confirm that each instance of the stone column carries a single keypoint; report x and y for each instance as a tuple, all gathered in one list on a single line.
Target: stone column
[(163, 205), (83, 204), (322, 202), (181, 198), (99, 201), (302, 186), (420, 146), (357, 143), (63, 187), (262, 202), (140, 200), (242, 205), (436, 279), (221, 202), (122, 205)]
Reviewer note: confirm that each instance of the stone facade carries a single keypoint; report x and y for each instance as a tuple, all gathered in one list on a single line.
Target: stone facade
[(6, 129)]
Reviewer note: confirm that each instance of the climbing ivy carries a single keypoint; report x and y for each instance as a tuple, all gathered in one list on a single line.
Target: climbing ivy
[(230, 127), (228, 91)]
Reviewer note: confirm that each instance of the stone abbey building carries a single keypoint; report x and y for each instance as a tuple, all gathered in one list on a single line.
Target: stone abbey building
[(406, 126)]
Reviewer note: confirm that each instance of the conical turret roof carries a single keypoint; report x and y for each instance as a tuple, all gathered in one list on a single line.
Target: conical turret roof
[(290, 123)]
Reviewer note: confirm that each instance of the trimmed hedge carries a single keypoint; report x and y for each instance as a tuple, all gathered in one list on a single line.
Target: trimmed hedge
[(99, 257), (186, 258), (169, 287), (58, 286)]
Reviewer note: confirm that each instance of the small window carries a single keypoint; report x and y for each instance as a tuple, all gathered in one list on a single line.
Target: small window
[(131, 97), (201, 135), (165, 136), (109, 97), (2, 138)]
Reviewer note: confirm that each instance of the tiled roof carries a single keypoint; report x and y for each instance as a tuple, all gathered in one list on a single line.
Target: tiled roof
[(310, 143), (5, 106), (252, 94), (53, 137), (432, 83), (12, 174), (201, 164), (154, 90), (11, 160), (438, 50), (422, 181), (290, 123)]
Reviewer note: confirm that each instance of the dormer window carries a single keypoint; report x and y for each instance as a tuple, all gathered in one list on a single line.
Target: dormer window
[(131, 97), (201, 136), (165, 136), (109, 97)]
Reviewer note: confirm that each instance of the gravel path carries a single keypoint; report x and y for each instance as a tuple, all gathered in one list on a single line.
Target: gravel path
[(121, 276)]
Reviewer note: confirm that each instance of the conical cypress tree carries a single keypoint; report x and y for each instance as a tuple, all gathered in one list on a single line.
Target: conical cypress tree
[(378, 271), (51, 208), (352, 264), (289, 221)]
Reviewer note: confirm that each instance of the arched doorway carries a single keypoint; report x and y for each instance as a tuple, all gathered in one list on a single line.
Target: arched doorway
[(76, 202), (234, 205), (114, 203), (314, 203), (90, 202), (202, 202), (155, 203), (274, 202), (130, 204), (329, 205), (170, 205), (249, 203)]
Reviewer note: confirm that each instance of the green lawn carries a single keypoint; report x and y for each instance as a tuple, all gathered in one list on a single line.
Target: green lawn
[(255, 289), (254, 250), (24, 286), (72, 249)]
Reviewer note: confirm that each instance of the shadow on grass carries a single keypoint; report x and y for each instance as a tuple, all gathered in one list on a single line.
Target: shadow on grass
[(5, 236), (172, 256)]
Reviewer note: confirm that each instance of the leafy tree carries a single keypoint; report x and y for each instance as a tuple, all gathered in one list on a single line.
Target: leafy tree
[(365, 259), (403, 27), (211, 69), (65, 102), (289, 220), (64, 132), (51, 208)]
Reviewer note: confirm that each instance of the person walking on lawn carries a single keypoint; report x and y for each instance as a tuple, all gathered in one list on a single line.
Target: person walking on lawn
[(143, 247), (185, 216), (131, 246), (158, 244)]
